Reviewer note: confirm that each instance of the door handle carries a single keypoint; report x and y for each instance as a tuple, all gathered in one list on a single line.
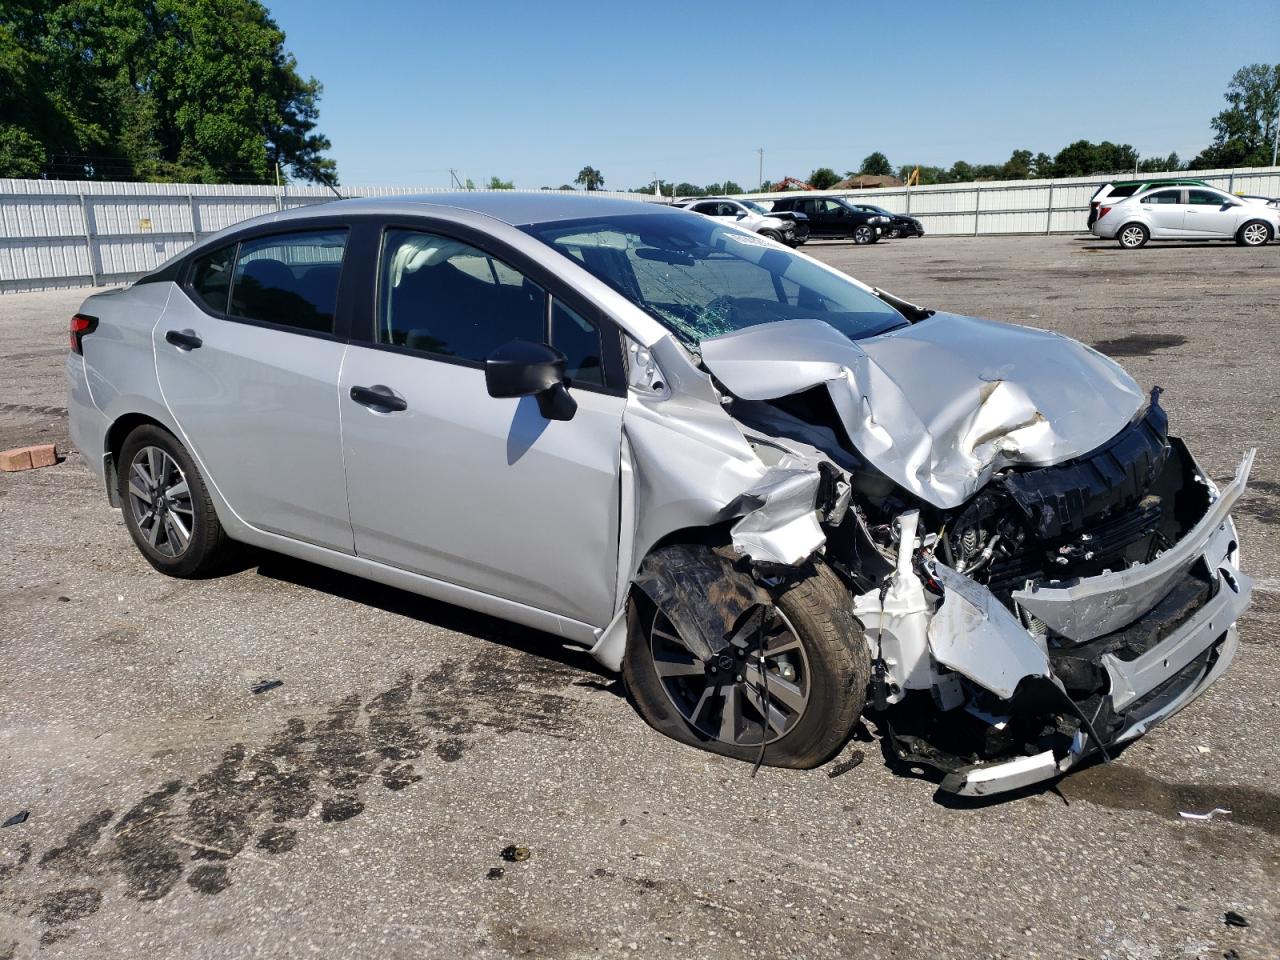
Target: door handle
[(379, 398), (184, 339)]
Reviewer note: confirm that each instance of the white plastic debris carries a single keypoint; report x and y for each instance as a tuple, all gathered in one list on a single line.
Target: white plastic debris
[(1202, 816)]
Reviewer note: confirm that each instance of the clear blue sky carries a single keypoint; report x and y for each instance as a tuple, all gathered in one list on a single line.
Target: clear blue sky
[(532, 91)]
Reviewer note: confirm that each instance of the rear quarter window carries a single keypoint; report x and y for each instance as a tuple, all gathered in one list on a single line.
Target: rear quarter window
[(211, 278)]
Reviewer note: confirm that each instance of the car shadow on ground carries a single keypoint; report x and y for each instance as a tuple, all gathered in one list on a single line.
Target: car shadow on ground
[(434, 613)]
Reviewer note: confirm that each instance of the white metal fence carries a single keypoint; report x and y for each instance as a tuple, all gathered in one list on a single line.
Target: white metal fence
[(1026, 206), (67, 233)]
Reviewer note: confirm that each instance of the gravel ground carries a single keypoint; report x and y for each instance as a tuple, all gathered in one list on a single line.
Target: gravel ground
[(361, 808)]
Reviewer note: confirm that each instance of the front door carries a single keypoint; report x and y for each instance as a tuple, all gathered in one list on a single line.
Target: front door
[(1210, 214), (446, 481), (248, 364)]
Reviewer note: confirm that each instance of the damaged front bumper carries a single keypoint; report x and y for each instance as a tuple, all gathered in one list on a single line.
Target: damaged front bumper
[(1157, 634)]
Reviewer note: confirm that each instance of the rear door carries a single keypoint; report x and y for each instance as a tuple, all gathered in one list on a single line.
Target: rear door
[(1210, 213), (1165, 211), (248, 359), (449, 482)]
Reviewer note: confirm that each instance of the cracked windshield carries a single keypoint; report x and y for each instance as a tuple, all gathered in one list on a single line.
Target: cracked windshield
[(703, 280)]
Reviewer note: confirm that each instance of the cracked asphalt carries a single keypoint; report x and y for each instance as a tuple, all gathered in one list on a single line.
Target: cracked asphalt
[(362, 806)]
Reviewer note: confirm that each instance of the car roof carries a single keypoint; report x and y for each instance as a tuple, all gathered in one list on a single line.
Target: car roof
[(516, 208), (1176, 181)]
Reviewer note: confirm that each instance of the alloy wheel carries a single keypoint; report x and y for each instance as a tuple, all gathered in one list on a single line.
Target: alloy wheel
[(1131, 236), (738, 696), (160, 501), (862, 235), (1255, 234)]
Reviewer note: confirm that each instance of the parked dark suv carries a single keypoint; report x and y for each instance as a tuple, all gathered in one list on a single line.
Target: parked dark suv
[(832, 218)]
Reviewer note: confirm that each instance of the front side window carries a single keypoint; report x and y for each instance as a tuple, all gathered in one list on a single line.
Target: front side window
[(211, 278), (1163, 196), (579, 340), (1206, 198), (448, 298), (289, 279), (702, 279)]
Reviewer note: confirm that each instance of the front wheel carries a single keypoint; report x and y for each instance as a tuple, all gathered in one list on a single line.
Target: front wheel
[(1132, 236), (863, 235), (772, 235), (1255, 233), (798, 685), (166, 505)]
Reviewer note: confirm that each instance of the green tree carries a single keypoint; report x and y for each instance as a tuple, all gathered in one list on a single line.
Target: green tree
[(590, 177), (1082, 158), (688, 190), (497, 183), (823, 178), (1243, 133), (731, 188), (154, 89), (876, 165), (1160, 164), (1018, 166), (1042, 166)]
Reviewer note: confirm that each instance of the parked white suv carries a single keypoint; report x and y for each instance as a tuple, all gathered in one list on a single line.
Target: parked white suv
[(1186, 213)]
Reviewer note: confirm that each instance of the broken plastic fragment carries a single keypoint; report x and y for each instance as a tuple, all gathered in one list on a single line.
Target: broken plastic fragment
[(17, 818), (1203, 816), (266, 685)]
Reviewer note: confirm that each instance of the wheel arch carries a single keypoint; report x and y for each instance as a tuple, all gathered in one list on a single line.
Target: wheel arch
[(113, 441)]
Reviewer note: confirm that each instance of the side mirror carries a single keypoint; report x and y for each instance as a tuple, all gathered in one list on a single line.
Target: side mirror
[(522, 368), (741, 216)]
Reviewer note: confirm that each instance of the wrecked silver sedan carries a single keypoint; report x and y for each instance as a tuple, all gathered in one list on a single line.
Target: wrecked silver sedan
[(771, 496)]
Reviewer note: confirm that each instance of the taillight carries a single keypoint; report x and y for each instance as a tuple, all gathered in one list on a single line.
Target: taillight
[(81, 325), (1103, 211)]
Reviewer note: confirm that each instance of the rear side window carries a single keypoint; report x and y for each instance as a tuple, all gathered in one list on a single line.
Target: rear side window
[(290, 279), (1163, 196), (1122, 192), (211, 278), (445, 297)]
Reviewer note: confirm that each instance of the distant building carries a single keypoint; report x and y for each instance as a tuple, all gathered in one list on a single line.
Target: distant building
[(867, 181)]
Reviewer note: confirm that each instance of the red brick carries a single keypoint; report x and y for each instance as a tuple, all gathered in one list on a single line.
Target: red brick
[(25, 458), (45, 455)]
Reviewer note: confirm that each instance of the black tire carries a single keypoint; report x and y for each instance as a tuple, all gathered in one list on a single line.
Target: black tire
[(894, 233), (837, 660), (1132, 236), (207, 548), (864, 234), (773, 235), (1250, 240)]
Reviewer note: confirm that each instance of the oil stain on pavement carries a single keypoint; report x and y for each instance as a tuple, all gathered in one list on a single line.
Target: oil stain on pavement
[(260, 801)]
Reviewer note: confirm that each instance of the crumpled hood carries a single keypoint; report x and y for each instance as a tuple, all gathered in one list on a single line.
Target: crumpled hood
[(943, 404)]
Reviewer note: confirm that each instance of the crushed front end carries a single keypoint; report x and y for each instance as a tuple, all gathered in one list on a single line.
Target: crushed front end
[(1059, 613)]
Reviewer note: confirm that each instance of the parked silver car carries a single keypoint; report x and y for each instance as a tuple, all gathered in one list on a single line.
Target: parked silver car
[(789, 228), (1186, 213), (768, 494)]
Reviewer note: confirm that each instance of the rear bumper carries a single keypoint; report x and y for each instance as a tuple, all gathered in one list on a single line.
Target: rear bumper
[(86, 423)]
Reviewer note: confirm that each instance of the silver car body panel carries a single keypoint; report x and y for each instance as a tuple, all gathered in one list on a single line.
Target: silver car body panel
[(259, 407), (998, 395), (1105, 603), (481, 492)]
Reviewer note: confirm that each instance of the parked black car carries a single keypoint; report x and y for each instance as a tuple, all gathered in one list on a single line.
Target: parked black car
[(833, 218), (900, 225)]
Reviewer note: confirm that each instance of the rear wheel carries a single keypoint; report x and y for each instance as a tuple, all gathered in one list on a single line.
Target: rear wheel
[(1132, 236), (166, 505), (800, 698), (894, 233), (1255, 233), (864, 234)]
